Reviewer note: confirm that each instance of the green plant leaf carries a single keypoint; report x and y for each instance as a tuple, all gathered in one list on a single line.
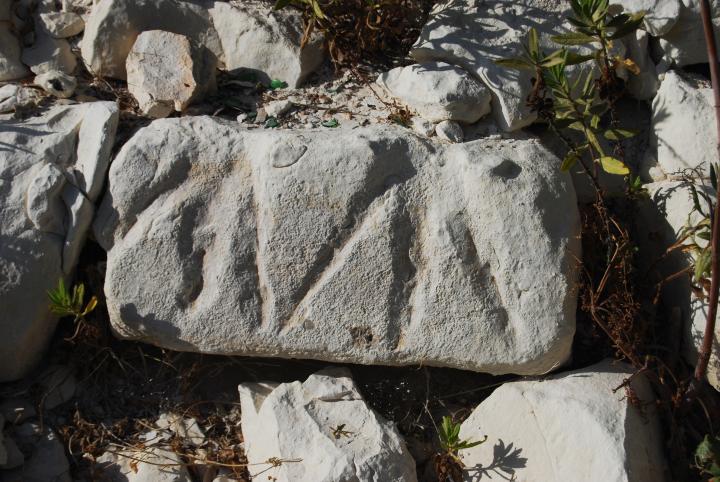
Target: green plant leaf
[(573, 38), (702, 264), (570, 159), (619, 134), (612, 165), (330, 123), (713, 177), (573, 58), (533, 43), (277, 84), (515, 63), (629, 26)]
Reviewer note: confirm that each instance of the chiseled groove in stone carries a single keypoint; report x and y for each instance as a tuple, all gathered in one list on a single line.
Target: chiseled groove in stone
[(463, 214)]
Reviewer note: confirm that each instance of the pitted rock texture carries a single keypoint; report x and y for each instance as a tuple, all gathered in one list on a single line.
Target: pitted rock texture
[(367, 246), (52, 169)]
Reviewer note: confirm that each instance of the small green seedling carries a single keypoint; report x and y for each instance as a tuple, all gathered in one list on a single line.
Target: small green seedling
[(450, 438), (448, 465), (65, 303), (707, 457)]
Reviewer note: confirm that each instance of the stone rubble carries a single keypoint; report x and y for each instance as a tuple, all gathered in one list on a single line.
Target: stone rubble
[(162, 87)]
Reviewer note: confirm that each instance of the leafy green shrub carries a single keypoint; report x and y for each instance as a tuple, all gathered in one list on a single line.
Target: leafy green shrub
[(578, 106)]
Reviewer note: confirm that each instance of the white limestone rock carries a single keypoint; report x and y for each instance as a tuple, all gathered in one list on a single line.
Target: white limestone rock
[(296, 421), (8, 97), (11, 67), (152, 464), (684, 44), (438, 91), (265, 41), (473, 35), (449, 131), (660, 226), (660, 15), (643, 85), (422, 126), (57, 83), (572, 426), (62, 24), (683, 121), (368, 245), (49, 54), (167, 72), (45, 162), (113, 26)]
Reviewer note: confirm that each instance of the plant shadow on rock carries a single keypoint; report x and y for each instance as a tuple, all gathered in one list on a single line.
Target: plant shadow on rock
[(507, 459)]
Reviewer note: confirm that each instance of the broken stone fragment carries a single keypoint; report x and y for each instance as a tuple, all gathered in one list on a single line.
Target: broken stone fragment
[(49, 54), (569, 427), (62, 24), (438, 91), (323, 429), (449, 131), (166, 72)]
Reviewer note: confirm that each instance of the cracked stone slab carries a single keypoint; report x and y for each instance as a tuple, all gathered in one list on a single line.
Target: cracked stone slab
[(51, 172), (367, 246)]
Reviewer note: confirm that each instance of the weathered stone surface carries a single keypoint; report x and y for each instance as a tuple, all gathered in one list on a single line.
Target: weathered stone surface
[(113, 26), (57, 83), (62, 24), (474, 34), (369, 245), (573, 426), (45, 163), (8, 97), (643, 85), (49, 54), (449, 131), (11, 68), (660, 15), (669, 210), (683, 119), (162, 86), (267, 42), (296, 421), (153, 464), (684, 43), (438, 91)]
